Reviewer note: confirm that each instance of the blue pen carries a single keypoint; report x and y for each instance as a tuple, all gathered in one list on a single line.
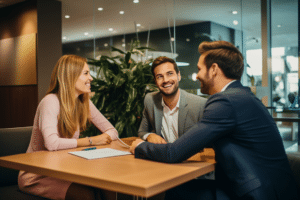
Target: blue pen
[(88, 149)]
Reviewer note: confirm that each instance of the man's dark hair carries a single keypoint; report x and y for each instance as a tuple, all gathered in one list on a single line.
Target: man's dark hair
[(163, 59), (226, 55)]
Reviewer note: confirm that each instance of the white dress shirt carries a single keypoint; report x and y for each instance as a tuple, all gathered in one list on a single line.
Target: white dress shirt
[(169, 128), (224, 88)]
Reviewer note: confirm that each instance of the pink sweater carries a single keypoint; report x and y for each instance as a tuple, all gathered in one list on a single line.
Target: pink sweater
[(45, 136)]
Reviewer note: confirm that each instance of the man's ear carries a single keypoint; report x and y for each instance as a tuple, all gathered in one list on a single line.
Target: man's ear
[(214, 69)]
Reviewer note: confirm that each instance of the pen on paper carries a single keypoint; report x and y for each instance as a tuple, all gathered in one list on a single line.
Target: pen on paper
[(88, 149)]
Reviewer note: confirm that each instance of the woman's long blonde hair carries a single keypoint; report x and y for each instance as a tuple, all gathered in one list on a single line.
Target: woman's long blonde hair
[(74, 112)]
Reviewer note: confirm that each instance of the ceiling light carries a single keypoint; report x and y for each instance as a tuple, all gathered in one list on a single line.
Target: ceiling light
[(86, 33), (135, 1), (279, 26), (105, 44), (67, 16), (123, 45), (188, 39), (121, 12), (172, 39), (235, 22), (234, 12), (138, 24), (182, 64), (110, 29), (100, 9), (64, 38)]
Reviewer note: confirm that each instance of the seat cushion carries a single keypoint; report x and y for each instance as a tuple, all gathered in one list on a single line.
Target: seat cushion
[(12, 192), (12, 141)]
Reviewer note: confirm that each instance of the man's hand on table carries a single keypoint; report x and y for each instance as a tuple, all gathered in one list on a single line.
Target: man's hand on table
[(154, 138), (134, 144)]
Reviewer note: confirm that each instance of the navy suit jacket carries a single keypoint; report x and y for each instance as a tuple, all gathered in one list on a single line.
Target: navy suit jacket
[(248, 147)]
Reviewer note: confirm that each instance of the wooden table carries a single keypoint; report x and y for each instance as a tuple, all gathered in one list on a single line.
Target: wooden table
[(123, 174)]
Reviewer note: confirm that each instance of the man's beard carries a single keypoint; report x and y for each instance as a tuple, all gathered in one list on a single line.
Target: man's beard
[(173, 93), (204, 88), (206, 85)]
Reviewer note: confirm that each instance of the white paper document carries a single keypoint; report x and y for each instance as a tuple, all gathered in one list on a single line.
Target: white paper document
[(100, 153)]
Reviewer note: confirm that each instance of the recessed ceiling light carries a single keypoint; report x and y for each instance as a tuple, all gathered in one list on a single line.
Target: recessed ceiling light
[(121, 12), (234, 12), (86, 33), (135, 1), (64, 38), (138, 25), (110, 29), (279, 26), (100, 9), (67, 16), (188, 39), (235, 22)]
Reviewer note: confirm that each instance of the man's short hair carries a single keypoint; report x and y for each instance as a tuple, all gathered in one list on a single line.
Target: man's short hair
[(226, 55), (163, 59)]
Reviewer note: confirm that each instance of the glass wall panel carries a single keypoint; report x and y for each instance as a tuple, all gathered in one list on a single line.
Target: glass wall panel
[(285, 69)]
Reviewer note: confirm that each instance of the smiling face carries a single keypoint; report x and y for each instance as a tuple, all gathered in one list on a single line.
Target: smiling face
[(204, 77), (166, 79), (83, 83)]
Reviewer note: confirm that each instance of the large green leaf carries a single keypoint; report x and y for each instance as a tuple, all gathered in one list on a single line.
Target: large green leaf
[(127, 58), (120, 126), (118, 50), (101, 102)]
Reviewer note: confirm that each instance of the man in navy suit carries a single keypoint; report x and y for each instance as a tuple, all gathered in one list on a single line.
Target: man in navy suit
[(251, 161)]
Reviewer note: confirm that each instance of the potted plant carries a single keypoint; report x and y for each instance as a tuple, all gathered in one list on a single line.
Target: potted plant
[(120, 87)]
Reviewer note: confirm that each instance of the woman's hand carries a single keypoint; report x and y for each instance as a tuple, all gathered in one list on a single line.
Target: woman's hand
[(101, 139)]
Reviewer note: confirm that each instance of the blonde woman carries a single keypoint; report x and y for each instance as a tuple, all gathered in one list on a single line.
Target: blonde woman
[(60, 117)]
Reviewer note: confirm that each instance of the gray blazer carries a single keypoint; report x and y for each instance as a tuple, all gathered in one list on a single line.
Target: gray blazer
[(191, 108)]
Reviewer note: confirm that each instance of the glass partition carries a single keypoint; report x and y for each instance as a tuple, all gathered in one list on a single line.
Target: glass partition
[(285, 69)]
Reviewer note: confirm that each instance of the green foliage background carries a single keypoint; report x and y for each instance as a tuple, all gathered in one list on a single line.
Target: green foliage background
[(120, 87)]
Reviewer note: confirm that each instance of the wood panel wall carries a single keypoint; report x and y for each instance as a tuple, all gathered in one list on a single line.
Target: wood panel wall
[(18, 103)]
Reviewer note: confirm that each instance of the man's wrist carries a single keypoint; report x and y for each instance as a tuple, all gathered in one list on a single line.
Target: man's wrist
[(139, 144)]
